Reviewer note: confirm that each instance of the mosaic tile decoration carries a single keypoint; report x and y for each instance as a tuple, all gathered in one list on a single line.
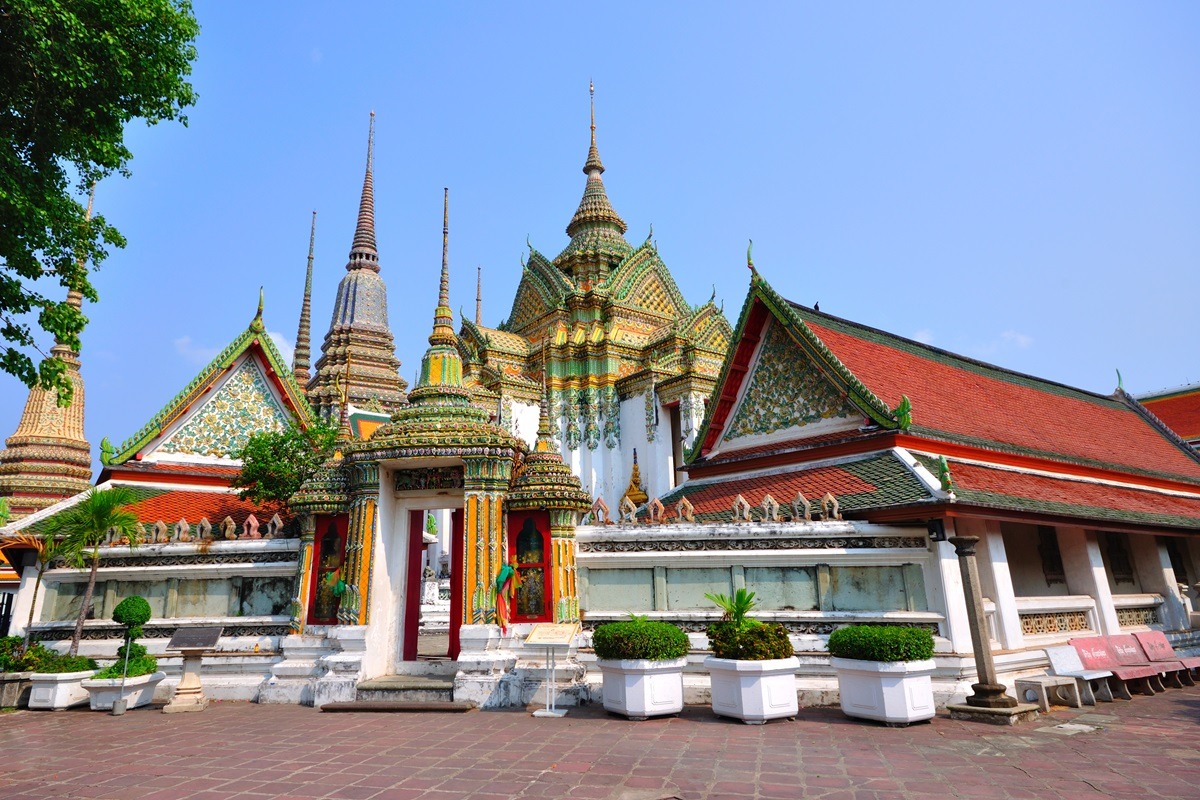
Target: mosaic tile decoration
[(222, 426), (785, 391)]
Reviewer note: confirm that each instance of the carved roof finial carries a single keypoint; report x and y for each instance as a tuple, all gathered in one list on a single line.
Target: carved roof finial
[(478, 295), (303, 352), (364, 254), (593, 163), (257, 323), (750, 256)]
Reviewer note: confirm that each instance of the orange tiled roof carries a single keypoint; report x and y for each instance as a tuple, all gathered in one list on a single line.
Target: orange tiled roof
[(173, 505), (979, 484), (1181, 412), (982, 404)]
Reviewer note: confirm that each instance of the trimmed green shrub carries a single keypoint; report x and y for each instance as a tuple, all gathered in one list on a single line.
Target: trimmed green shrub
[(64, 663), (881, 643), (16, 657), (638, 639), (133, 612), (750, 641)]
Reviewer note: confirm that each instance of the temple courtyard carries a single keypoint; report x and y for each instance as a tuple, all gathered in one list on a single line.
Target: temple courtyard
[(1140, 749)]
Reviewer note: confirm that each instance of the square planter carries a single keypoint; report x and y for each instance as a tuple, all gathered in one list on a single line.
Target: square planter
[(14, 689), (753, 691), (895, 692), (639, 689), (138, 692), (56, 691)]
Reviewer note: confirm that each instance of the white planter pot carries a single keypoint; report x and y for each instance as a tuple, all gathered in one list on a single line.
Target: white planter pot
[(138, 691), (58, 690), (895, 692), (753, 691), (640, 689)]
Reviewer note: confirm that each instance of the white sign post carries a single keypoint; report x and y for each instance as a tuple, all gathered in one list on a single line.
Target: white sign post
[(553, 639)]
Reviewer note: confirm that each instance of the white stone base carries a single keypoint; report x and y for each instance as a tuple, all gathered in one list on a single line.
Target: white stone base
[(640, 689), (137, 691), (292, 680), (895, 692), (55, 691), (753, 691)]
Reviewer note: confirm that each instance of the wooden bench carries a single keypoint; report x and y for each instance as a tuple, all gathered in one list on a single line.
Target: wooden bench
[(1092, 683), (1157, 648), (1129, 652), (1095, 653)]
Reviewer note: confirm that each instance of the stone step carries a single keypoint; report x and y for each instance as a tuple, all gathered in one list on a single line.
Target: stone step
[(423, 688), (399, 707)]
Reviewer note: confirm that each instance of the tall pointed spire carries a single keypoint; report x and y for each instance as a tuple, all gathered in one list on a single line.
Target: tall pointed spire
[(303, 352), (48, 458), (443, 317), (359, 326), (479, 295), (597, 231), (363, 252)]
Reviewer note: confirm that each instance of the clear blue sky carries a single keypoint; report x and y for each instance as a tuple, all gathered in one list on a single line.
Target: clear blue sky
[(1016, 182)]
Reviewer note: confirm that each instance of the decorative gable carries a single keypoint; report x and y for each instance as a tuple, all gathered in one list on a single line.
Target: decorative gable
[(220, 427), (786, 391)]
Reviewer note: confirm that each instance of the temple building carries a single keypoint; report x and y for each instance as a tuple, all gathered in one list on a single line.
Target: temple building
[(611, 449)]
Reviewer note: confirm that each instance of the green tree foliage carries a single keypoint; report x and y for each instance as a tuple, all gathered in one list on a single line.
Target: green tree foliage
[(84, 527), (276, 463), (73, 73)]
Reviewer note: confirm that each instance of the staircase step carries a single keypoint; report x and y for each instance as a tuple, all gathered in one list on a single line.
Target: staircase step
[(399, 707), (400, 682)]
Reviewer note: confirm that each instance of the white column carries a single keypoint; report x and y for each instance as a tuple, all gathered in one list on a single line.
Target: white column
[(946, 592), (1084, 567), (1155, 573), (996, 579), (20, 610)]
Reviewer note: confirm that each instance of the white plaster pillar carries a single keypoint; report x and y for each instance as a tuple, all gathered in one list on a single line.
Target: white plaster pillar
[(946, 593), (1155, 573), (1084, 568), (996, 579), (20, 610)]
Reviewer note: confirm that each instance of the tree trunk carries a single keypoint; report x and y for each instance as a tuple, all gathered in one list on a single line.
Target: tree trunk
[(87, 601), (32, 605)]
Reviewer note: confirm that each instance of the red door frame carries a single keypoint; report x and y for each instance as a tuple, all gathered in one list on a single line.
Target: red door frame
[(516, 521), (321, 527), (457, 565), (412, 602)]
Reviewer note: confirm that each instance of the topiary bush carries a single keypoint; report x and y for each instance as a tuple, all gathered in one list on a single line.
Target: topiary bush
[(133, 612), (750, 641), (881, 643), (640, 639)]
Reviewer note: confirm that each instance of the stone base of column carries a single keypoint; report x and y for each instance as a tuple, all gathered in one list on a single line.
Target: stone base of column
[(1021, 712), (991, 695)]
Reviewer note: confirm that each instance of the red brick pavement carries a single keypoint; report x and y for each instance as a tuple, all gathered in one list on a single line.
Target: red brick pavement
[(1142, 749)]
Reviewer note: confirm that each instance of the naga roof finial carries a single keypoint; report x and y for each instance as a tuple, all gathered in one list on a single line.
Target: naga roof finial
[(750, 256), (257, 323), (1120, 383)]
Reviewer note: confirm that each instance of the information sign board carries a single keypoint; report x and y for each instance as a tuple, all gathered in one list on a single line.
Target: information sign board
[(195, 638), (546, 634)]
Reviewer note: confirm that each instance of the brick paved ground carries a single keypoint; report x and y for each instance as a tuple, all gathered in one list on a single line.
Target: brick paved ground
[(1145, 749)]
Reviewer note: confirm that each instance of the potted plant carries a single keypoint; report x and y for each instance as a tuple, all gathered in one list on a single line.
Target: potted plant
[(752, 670), (57, 682), (130, 682), (884, 672), (641, 661)]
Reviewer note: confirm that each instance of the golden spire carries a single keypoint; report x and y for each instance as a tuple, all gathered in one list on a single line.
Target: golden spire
[(593, 163), (443, 317), (479, 295)]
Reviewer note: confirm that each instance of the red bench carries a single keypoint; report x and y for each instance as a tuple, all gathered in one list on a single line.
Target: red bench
[(1157, 648), (1129, 652), (1096, 653)]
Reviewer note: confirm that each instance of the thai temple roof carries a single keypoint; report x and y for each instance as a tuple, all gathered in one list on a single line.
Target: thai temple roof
[(883, 406), (1178, 408), (358, 362)]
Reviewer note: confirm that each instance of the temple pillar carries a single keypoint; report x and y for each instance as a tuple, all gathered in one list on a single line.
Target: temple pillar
[(484, 545), (564, 581), (304, 566), (1083, 565), (364, 496), (995, 579), (1153, 565)]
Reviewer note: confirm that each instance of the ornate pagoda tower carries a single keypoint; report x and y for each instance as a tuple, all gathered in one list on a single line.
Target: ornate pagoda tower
[(358, 359), (48, 458)]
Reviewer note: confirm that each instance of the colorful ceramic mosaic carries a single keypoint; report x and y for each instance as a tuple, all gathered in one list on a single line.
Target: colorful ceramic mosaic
[(785, 392), (222, 426)]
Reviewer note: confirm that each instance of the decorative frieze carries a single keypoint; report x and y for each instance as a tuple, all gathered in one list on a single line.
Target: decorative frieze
[(407, 480), (152, 631), (1054, 622), (680, 545), (1142, 617)]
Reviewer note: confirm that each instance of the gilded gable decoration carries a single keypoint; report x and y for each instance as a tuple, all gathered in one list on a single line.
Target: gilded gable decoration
[(221, 427)]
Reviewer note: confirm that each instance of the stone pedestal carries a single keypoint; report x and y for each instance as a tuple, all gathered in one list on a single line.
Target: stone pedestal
[(189, 694), (989, 694)]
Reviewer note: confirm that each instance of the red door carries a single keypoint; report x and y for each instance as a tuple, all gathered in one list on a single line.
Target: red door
[(412, 604), (457, 563), (529, 550), (328, 579)]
